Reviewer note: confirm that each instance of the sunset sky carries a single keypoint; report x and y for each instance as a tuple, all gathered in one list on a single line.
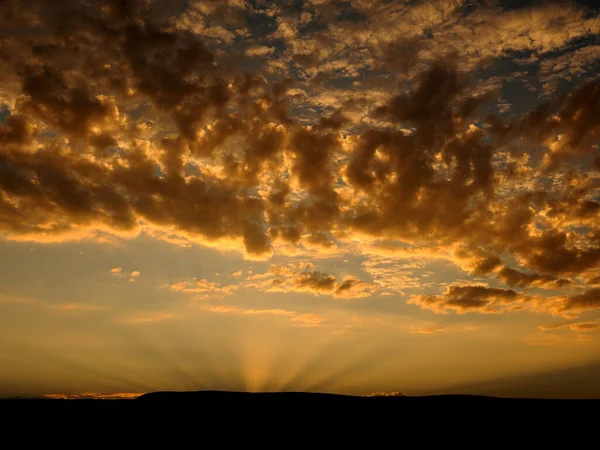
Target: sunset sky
[(348, 196)]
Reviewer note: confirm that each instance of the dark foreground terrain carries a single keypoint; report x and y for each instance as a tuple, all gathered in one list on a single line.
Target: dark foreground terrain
[(450, 407), (219, 399), (238, 417)]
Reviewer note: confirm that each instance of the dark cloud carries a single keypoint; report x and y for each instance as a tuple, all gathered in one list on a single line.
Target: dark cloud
[(315, 281), (552, 253), (464, 299), (587, 300), (487, 265), (515, 278), (410, 193)]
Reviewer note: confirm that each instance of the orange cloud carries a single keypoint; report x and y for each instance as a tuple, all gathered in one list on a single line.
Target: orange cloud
[(202, 288), (354, 288), (78, 307), (573, 326), (426, 329), (463, 299), (190, 149), (94, 396), (296, 319), (301, 278), (385, 394), (150, 317)]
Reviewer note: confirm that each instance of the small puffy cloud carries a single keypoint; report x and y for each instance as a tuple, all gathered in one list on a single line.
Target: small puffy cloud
[(259, 50), (133, 276), (118, 272), (314, 282)]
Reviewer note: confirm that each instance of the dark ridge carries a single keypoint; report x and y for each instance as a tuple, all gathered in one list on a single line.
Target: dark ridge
[(224, 397)]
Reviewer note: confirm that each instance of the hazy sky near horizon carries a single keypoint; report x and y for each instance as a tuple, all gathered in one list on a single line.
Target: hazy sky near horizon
[(323, 195)]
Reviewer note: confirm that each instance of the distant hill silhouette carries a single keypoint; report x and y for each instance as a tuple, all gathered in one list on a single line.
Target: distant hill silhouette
[(217, 398)]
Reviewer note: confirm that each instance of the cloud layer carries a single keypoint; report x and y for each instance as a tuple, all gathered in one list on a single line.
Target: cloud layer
[(326, 127)]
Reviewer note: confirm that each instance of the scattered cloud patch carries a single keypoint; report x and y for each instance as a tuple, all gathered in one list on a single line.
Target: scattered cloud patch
[(296, 319)]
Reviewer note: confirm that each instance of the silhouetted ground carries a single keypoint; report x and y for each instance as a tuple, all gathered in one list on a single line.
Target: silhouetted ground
[(446, 418), (226, 399), (333, 400)]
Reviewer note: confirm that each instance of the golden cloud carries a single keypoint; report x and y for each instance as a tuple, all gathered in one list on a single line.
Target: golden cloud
[(149, 127), (296, 319)]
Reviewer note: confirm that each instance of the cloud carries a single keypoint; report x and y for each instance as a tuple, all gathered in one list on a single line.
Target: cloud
[(259, 50), (118, 272), (568, 66), (482, 299), (314, 282), (202, 289), (14, 299), (78, 307), (301, 278), (487, 265), (354, 288), (381, 133), (307, 320), (584, 301), (463, 299), (426, 329), (513, 277), (133, 276), (94, 396), (573, 326), (386, 394), (296, 319), (149, 317)]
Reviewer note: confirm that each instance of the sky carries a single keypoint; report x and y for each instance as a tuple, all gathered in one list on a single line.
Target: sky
[(342, 196)]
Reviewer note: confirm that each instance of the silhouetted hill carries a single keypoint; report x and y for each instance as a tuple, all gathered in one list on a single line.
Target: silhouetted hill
[(227, 398), (219, 399), (446, 411)]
